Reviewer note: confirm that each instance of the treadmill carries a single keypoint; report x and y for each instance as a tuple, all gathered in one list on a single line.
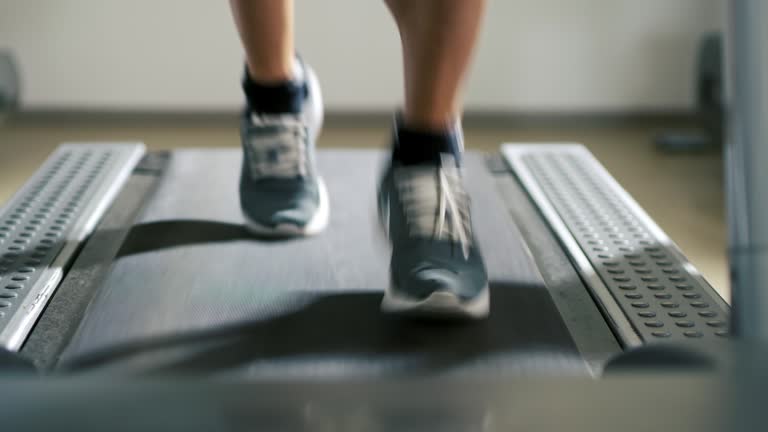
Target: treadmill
[(130, 293), (137, 262)]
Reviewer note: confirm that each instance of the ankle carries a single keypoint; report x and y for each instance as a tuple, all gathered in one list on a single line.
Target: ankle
[(270, 73), (278, 96), (418, 144), (428, 120)]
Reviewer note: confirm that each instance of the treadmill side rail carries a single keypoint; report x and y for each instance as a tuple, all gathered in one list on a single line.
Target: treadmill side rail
[(645, 286), (42, 226)]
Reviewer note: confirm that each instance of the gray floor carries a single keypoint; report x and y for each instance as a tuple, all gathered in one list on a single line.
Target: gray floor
[(682, 193)]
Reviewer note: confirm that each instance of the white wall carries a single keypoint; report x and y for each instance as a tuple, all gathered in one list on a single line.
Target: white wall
[(541, 55)]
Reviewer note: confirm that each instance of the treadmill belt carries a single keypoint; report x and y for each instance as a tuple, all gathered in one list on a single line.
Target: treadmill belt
[(191, 291)]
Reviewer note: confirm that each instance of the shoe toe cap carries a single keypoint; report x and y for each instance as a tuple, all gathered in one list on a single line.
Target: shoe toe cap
[(424, 282), (295, 216)]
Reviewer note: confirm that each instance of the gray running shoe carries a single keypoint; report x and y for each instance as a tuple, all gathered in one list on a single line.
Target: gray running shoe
[(436, 269), (281, 193)]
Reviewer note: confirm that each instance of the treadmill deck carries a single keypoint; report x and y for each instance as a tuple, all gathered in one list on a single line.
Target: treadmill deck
[(191, 291)]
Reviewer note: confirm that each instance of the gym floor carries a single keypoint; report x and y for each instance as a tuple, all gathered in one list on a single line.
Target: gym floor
[(683, 193)]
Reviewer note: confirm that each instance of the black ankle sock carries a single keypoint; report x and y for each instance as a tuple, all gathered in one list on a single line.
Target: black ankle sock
[(279, 98), (413, 146)]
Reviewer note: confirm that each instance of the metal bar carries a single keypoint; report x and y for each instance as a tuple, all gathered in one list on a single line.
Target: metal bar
[(592, 334), (64, 312), (42, 226), (627, 335), (747, 165)]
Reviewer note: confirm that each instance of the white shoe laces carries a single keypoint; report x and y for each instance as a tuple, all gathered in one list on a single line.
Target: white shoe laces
[(435, 202), (277, 147)]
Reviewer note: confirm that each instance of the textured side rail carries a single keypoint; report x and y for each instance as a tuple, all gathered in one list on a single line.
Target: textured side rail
[(639, 277), (42, 226)]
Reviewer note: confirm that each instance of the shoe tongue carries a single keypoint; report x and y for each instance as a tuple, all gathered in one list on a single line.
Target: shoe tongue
[(285, 120)]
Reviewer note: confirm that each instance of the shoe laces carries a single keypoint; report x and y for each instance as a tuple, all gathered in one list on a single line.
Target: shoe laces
[(277, 146), (435, 203)]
